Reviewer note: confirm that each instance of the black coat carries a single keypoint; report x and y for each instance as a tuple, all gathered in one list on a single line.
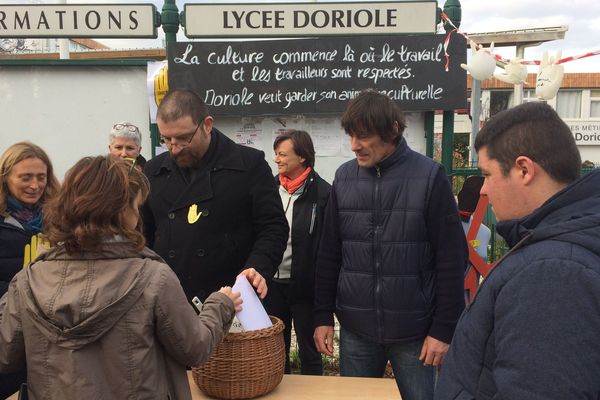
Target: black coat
[(242, 222), (307, 224), (12, 247)]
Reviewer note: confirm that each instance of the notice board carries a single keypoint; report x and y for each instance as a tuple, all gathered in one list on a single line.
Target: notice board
[(320, 75)]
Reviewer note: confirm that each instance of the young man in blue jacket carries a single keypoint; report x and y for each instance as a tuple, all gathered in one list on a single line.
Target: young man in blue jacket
[(532, 330), (392, 255)]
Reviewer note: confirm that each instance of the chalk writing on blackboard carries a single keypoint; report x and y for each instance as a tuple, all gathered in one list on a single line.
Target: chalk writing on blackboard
[(306, 76)]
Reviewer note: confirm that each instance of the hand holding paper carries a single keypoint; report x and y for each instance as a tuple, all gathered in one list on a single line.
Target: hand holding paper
[(257, 280), (253, 316)]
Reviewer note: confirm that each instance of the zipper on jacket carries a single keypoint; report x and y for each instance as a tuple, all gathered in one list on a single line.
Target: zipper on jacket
[(377, 254), (313, 216)]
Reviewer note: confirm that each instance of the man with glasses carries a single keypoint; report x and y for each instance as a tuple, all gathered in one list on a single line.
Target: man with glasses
[(213, 210)]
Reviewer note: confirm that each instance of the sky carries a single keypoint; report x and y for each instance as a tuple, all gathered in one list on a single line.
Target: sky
[(582, 17)]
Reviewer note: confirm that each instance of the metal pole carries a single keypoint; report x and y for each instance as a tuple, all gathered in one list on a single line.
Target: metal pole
[(63, 44), (448, 140), (518, 90), (429, 127), (475, 117), (170, 20)]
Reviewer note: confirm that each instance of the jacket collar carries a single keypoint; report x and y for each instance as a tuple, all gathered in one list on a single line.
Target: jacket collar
[(396, 157), (571, 210), (112, 250)]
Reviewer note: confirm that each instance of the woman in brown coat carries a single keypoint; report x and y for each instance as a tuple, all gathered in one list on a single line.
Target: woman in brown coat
[(99, 316)]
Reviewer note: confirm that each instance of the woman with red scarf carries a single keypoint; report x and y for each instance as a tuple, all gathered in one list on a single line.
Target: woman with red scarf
[(304, 195)]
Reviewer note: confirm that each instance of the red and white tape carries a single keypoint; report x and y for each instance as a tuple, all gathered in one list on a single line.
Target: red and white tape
[(496, 56)]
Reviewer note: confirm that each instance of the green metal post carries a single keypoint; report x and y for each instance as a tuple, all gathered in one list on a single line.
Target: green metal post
[(454, 13), (170, 23), (170, 20), (448, 140), (429, 122)]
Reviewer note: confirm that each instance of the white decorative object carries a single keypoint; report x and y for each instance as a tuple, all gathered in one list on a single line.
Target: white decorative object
[(514, 72), (482, 63), (549, 77)]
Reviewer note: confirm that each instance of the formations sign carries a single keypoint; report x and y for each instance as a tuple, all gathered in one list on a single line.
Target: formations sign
[(311, 76), (78, 20), (309, 19)]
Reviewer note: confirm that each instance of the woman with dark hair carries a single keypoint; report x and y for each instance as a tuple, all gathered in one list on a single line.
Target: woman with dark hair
[(304, 196), (26, 181), (100, 315)]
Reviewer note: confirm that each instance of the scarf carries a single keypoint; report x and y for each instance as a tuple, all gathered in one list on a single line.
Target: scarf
[(291, 185), (29, 218)]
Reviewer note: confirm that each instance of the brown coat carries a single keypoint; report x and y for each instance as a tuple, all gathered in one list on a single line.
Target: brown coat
[(114, 325)]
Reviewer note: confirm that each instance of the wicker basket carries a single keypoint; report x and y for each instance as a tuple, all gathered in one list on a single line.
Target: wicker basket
[(244, 365)]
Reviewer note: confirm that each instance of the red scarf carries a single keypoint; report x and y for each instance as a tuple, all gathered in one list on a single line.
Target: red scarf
[(291, 185)]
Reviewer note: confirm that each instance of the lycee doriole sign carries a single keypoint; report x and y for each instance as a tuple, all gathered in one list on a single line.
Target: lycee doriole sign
[(309, 19), (78, 20)]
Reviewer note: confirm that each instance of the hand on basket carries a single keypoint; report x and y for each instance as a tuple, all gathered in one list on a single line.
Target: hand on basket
[(234, 296), (256, 280)]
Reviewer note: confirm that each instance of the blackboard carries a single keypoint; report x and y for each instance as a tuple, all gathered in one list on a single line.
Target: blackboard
[(320, 75)]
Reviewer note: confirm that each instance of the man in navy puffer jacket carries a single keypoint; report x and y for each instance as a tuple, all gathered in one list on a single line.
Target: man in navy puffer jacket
[(392, 255), (532, 331)]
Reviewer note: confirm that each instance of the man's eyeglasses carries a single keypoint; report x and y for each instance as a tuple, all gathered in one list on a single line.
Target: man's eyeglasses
[(129, 127), (183, 140)]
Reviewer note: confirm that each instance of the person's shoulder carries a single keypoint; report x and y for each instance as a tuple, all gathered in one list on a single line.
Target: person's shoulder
[(320, 181), (347, 169), (154, 164)]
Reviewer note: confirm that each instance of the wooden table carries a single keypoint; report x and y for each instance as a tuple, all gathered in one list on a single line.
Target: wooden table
[(305, 387)]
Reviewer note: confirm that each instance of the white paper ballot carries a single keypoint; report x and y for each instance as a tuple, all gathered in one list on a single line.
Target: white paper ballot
[(253, 315)]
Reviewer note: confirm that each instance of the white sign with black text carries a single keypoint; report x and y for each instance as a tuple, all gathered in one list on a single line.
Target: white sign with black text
[(309, 19), (585, 132), (78, 20)]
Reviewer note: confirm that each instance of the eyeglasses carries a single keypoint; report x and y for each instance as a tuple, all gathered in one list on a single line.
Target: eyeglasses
[(129, 127), (183, 138)]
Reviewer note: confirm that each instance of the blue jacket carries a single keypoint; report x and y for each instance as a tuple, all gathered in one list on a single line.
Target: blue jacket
[(393, 251), (532, 332)]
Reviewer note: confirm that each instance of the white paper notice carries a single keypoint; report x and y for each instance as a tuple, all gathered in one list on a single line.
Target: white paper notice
[(253, 315)]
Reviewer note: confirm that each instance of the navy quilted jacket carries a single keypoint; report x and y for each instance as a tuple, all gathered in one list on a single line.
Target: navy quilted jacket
[(532, 332)]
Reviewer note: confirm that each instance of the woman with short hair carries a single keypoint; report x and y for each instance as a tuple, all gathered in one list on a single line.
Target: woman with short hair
[(125, 141), (304, 195), (102, 316)]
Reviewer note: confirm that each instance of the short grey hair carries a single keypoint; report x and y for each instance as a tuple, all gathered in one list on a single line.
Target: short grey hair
[(125, 130)]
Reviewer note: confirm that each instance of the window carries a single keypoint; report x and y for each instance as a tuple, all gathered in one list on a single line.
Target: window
[(568, 103), (500, 100), (595, 103), (529, 95)]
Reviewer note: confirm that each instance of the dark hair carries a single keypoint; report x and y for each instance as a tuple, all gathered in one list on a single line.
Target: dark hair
[(96, 194), (180, 103), (303, 145), (536, 131), (14, 155), (371, 112)]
